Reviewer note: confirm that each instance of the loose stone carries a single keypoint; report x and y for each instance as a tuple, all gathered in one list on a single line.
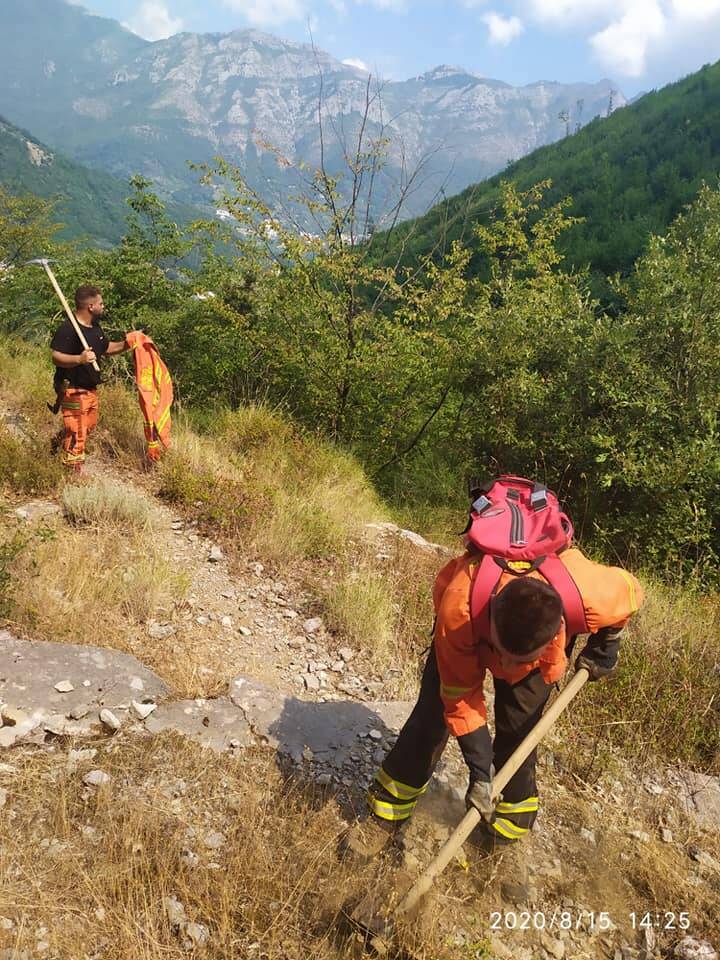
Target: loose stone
[(96, 778), (110, 720)]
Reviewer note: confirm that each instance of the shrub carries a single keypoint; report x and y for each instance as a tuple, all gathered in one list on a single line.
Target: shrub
[(107, 502), (26, 464)]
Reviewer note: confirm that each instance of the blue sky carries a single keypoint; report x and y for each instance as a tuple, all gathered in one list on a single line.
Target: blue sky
[(640, 44)]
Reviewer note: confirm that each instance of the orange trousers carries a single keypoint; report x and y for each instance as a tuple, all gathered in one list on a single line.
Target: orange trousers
[(80, 413)]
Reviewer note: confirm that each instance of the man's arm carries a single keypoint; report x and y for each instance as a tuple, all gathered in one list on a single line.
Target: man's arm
[(68, 360), (116, 346), (611, 596)]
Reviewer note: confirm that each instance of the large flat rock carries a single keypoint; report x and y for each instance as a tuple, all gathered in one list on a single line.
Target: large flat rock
[(100, 678), (298, 727), (217, 724), (339, 742)]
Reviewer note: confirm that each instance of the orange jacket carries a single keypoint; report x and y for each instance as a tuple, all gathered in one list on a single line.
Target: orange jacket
[(610, 596), (155, 392)]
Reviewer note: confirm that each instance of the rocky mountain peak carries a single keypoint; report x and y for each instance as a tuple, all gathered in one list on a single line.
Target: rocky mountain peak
[(443, 71), (136, 107)]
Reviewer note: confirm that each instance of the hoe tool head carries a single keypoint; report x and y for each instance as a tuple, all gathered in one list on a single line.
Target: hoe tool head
[(40, 261), (374, 931)]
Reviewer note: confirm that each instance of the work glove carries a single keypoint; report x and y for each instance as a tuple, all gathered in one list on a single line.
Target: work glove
[(479, 795), (600, 655), (476, 748)]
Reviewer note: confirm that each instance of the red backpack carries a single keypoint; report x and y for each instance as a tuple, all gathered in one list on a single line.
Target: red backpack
[(518, 526)]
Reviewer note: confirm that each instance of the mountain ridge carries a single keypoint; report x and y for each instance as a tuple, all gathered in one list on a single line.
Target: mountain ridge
[(133, 106)]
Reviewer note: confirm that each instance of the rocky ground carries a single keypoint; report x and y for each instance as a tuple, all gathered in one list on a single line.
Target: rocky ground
[(269, 676)]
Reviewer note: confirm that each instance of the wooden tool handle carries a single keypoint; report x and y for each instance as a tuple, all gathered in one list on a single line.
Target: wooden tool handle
[(71, 316), (472, 817)]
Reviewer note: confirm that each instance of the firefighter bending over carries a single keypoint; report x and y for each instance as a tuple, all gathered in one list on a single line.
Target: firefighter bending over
[(517, 619)]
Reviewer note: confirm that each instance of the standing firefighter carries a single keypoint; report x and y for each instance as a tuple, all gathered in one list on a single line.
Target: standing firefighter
[(74, 364), (512, 604)]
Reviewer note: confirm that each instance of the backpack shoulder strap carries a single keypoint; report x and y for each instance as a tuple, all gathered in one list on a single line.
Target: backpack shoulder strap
[(483, 586), (558, 576)]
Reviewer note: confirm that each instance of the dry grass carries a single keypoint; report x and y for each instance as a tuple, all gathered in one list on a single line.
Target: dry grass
[(282, 496), (380, 601), (93, 585), (26, 466), (107, 502), (619, 873), (26, 375), (664, 701), (120, 428), (88, 871), (360, 607)]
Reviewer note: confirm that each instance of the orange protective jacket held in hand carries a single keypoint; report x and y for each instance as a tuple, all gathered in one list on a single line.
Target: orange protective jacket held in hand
[(155, 392)]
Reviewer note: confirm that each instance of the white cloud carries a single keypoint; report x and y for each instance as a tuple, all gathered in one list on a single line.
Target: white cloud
[(634, 38), (354, 62), (623, 45), (399, 6), (502, 30), (268, 13), (152, 20), (571, 11), (695, 9)]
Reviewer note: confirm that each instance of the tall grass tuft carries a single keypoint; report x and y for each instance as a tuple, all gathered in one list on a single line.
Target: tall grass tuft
[(108, 502), (361, 608), (120, 430)]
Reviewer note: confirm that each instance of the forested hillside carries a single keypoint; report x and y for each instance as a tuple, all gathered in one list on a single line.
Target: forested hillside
[(628, 177), (438, 375), (90, 204)]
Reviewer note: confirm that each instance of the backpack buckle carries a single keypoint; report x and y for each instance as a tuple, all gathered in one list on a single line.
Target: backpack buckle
[(538, 499), (482, 503)]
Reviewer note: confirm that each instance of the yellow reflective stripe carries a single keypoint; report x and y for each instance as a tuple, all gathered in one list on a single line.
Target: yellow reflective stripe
[(390, 811), (163, 420), (71, 405), (631, 586), (453, 692), (397, 789), (508, 829), (522, 806)]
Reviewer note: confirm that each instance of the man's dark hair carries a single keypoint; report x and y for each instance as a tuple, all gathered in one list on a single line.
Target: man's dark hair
[(526, 614), (84, 294)]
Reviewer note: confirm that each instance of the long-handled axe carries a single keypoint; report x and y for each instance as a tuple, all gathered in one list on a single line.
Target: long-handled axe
[(45, 264)]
